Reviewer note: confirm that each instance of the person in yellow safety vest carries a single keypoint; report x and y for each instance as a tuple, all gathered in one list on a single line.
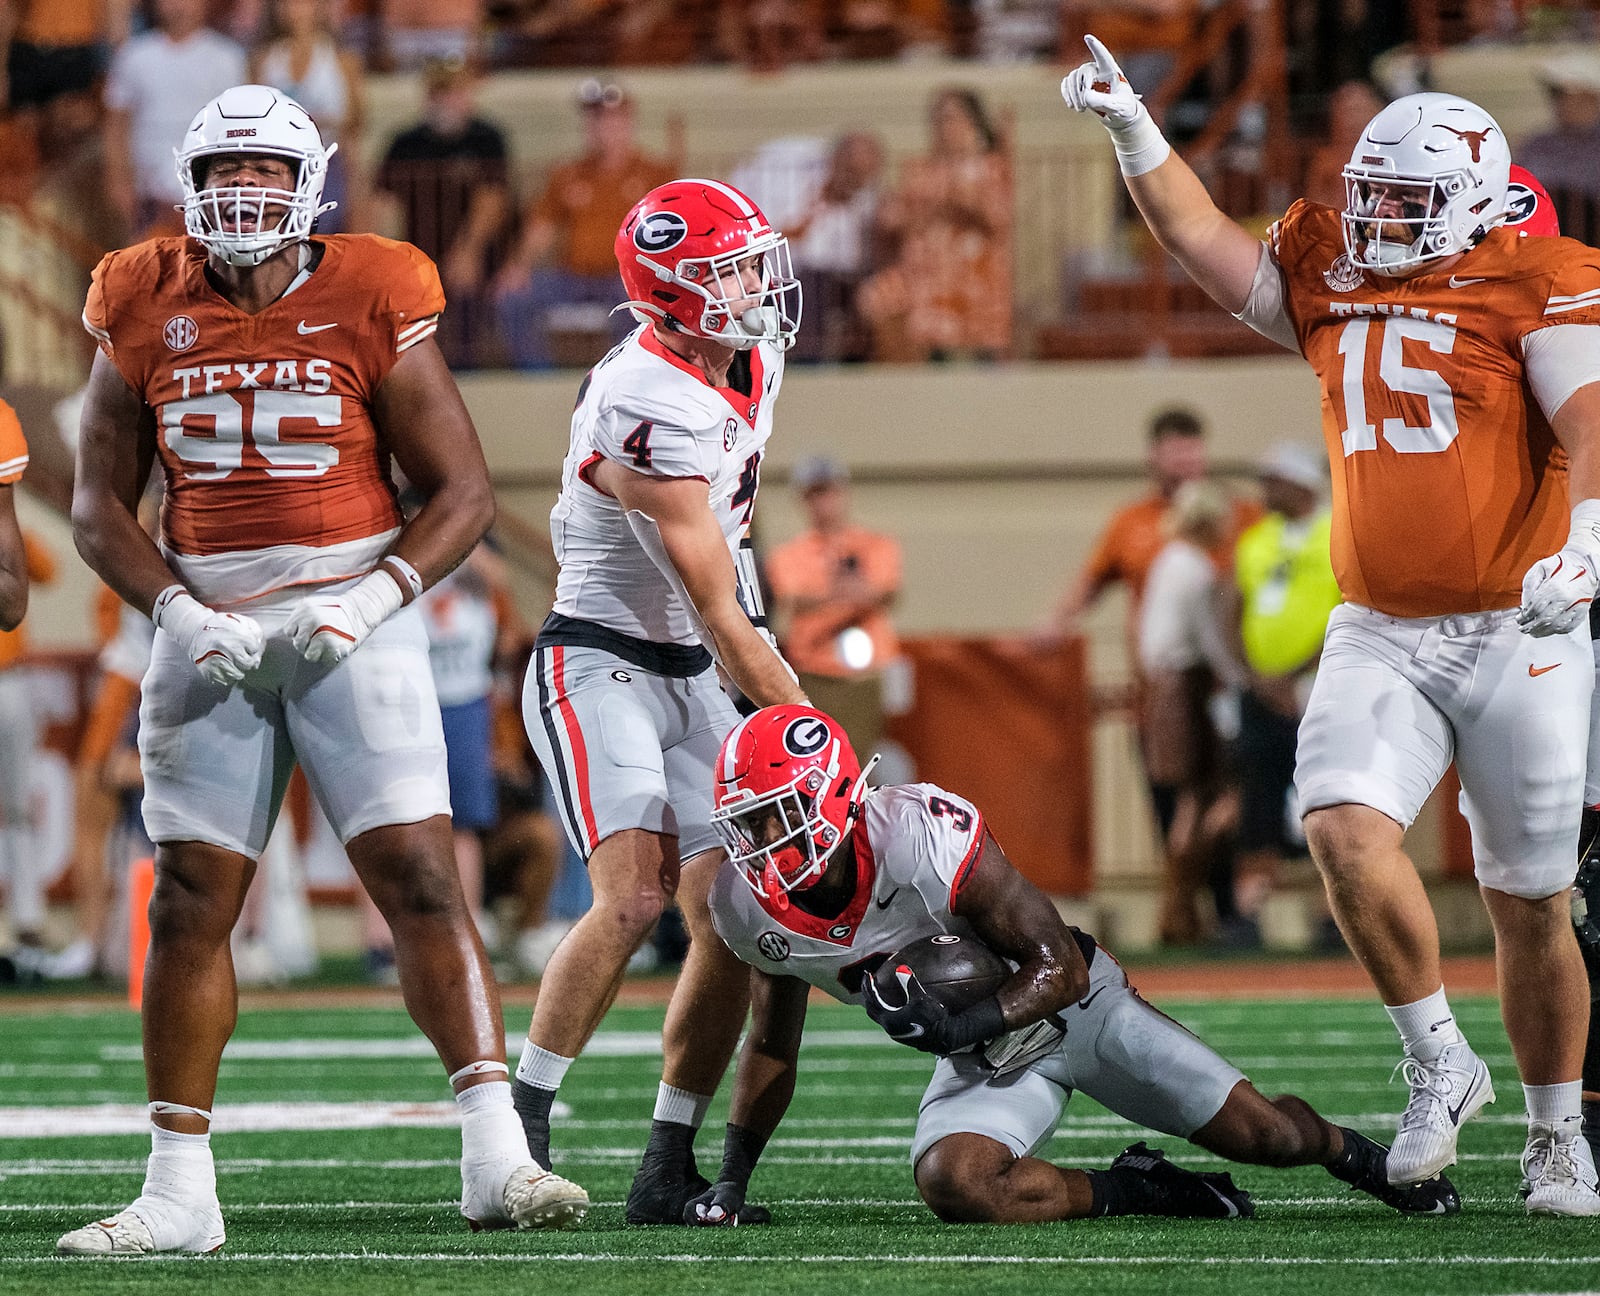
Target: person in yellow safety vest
[(1276, 611)]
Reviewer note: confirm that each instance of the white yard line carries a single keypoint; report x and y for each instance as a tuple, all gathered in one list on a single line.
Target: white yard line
[(603, 1257)]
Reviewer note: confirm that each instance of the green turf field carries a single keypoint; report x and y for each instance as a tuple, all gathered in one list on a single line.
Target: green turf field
[(317, 1205)]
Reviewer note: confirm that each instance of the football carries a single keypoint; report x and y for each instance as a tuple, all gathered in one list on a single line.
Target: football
[(959, 971)]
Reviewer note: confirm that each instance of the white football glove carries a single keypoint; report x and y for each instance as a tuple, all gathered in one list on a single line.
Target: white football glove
[(329, 627), (222, 645), (1100, 87), (1557, 591)]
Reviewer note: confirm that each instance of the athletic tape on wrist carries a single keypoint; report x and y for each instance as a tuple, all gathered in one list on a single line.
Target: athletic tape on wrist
[(410, 578)]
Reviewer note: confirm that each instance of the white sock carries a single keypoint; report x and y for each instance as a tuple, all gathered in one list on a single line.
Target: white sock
[(540, 1067), (180, 1166), (1557, 1105), (680, 1106), (1427, 1027), (490, 1126)]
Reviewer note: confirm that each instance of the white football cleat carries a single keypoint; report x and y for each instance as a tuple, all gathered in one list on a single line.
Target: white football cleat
[(1445, 1093), (528, 1197), (150, 1225), (1559, 1174)]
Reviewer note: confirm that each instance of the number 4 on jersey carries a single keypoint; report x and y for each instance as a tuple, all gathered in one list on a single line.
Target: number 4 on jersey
[(637, 444)]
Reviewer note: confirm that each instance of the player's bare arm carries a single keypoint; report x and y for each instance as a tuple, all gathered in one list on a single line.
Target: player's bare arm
[(698, 551), (1218, 253), (13, 564), (1016, 920), (116, 446), (762, 1091), (422, 416)]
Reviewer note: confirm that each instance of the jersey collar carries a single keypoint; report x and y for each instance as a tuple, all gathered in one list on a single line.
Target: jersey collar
[(746, 407), (839, 930)]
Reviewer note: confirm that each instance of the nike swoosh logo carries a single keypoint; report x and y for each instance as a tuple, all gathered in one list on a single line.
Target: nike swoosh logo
[(1090, 998), (1472, 1090), (1535, 671), (912, 1031), (884, 903), (1463, 283), (1228, 1202), (305, 329)]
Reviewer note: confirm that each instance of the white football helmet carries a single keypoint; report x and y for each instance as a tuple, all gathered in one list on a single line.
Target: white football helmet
[(1426, 180), (234, 223)]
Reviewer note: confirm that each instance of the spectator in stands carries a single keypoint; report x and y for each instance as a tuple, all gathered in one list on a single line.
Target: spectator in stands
[(611, 33), (832, 588), (1011, 31), (1563, 157), (299, 55), (947, 291), (447, 176), (563, 256), (767, 36), (158, 81), (1184, 662), (53, 52), (1129, 545), (414, 33), (24, 561), (832, 245), (1275, 613), (1350, 107)]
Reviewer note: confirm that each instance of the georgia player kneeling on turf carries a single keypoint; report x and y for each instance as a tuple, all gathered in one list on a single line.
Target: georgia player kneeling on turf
[(831, 877)]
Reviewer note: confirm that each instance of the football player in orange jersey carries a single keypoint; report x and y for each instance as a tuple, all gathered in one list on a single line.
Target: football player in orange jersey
[(13, 554), (275, 375), (1457, 362)]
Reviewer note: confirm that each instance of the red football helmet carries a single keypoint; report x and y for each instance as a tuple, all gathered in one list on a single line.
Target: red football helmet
[(788, 789), (1529, 209), (679, 250)]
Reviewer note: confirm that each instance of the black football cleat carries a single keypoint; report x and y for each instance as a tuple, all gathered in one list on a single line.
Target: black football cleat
[(1364, 1166), (1172, 1190)]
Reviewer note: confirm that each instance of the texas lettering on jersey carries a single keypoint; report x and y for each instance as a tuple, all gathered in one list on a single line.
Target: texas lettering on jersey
[(652, 412), (915, 846), (1448, 483), (264, 422)]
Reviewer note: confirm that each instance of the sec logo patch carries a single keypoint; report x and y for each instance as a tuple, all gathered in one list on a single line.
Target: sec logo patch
[(181, 333), (774, 948)]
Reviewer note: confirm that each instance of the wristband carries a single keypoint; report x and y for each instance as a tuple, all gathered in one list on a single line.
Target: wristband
[(1585, 533), (178, 612), (410, 579)]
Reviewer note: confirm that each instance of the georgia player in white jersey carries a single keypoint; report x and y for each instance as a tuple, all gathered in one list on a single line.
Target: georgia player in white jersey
[(656, 588), (830, 878)]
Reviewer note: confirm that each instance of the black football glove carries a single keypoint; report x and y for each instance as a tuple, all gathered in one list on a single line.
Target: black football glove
[(926, 1024)]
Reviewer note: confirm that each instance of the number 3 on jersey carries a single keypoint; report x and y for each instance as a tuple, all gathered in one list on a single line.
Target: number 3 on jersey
[(1395, 375)]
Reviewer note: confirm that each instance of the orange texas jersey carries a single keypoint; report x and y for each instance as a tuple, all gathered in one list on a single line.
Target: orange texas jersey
[(1448, 483), (13, 449), (264, 422)]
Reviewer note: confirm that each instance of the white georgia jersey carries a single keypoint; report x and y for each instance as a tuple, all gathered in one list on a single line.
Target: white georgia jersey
[(654, 413), (915, 847)]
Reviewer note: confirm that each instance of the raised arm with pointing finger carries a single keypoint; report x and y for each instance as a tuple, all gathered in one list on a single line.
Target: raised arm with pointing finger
[(1457, 362)]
